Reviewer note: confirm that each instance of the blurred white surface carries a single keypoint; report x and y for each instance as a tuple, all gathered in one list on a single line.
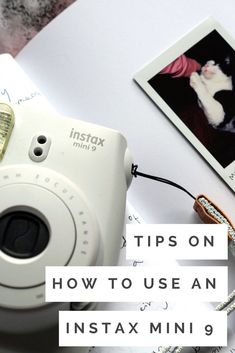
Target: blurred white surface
[(84, 62)]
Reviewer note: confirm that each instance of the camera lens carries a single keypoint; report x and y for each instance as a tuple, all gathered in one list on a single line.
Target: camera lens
[(22, 235)]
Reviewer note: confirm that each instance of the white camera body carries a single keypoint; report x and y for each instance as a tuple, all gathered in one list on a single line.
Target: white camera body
[(63, 186)]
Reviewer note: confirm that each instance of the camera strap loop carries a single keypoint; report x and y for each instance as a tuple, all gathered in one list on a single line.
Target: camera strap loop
[(161, 180)]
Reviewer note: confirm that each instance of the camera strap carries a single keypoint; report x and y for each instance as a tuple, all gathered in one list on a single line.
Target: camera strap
[(207, 211)]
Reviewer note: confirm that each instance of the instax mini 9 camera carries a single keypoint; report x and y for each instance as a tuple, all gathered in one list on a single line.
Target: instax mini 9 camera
[(63, 186)]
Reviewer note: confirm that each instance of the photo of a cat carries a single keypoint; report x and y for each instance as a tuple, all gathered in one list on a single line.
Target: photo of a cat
[(193, 83), (198, 86)]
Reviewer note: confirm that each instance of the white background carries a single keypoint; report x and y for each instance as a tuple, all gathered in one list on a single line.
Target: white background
[(59, 281), (186, 236), (84, 62), (217, 320)]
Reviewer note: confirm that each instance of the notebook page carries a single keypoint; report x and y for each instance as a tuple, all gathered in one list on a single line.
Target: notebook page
[(16, 92), (15, 85)]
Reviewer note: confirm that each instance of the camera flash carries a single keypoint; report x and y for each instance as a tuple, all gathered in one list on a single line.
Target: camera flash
[(7, 120)]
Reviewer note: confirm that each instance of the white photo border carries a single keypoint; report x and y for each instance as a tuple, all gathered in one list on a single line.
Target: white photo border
[(154, 67)]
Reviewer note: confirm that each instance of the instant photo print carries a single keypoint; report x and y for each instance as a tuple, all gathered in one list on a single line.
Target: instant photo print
[(193, 83)]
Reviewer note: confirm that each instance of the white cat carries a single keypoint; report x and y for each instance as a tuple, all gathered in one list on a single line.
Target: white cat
[(206, 85)]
